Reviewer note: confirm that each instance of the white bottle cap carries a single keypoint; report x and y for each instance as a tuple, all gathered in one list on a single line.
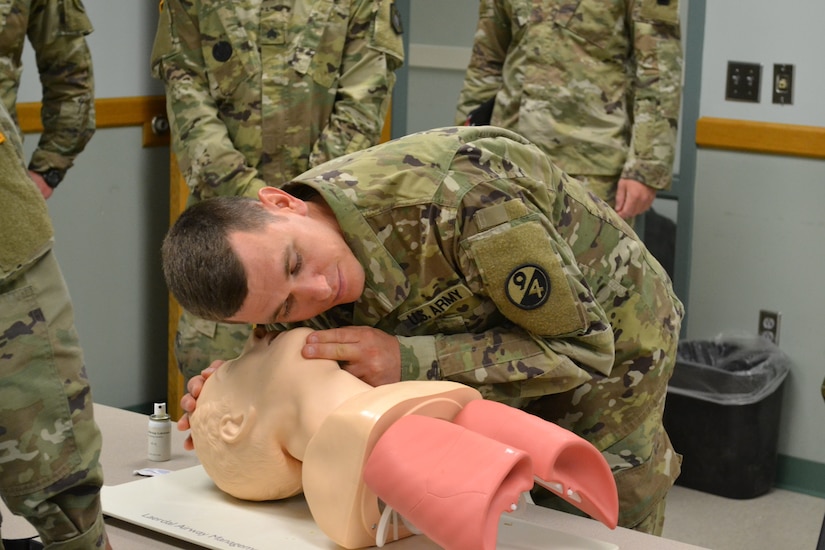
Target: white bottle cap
[(160, 409)]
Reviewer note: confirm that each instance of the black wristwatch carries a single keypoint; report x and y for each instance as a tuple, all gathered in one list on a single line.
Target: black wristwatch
[(52, 176)]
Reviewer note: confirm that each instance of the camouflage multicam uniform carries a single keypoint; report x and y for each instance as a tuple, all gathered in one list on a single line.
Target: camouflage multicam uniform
[(596, 84), (497, 270), (56, 30), (49, 443), (260, 90)]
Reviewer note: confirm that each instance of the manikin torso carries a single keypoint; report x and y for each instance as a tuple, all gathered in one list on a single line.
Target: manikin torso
[(320, 415), (287, 424)]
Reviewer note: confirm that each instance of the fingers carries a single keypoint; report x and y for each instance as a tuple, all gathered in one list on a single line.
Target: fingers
[(190, 400), (339, 344), (633, 198), (183, 425), (183, 422)]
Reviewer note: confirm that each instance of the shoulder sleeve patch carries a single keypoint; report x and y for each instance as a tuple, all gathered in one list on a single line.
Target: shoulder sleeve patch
[(523, 275)]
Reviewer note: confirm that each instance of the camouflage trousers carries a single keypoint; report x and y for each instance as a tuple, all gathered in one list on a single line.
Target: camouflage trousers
[(198, 342), (49, 442)]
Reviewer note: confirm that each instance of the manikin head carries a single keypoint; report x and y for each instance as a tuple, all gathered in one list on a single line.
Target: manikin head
[(256, 414), (272, 260)]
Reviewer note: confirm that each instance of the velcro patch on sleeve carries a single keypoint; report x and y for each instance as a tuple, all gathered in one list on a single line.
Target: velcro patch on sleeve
[(524, 276)]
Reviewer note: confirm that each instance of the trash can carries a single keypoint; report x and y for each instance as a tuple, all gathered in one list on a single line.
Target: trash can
[(722, 414)]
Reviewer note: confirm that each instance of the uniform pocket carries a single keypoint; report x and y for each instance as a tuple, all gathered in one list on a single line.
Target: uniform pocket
[(228, 51), (592, 21), (320, 47), (37, 445), (73, 18)]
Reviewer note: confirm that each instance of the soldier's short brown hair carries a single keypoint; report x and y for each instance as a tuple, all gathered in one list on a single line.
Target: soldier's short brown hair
[(201, 270)]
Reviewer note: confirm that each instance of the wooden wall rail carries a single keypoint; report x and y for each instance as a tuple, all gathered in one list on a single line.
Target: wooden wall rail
[(110, 113), (761, 137)]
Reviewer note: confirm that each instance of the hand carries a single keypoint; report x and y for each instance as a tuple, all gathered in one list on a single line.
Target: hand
[(38, 180), (633, 198), (190, 400), (368, 353)]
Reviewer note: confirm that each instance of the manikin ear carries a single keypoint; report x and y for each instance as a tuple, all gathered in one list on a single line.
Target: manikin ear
[(274, 198), (234, 426)]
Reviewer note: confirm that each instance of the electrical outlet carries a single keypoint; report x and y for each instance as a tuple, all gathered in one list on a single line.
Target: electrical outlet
[(769, 325), (743, 81), (783, 84)]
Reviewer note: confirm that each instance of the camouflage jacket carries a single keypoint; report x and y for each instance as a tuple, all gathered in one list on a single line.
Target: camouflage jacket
[(260, 90), (57, 31), (25, 227), (493, 267), (596, 84)]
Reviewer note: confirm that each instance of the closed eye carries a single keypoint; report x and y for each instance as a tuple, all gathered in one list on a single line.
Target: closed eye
[(296, 269)]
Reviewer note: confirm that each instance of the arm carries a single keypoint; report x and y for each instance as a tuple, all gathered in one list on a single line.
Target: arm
[(57, 32), (373, 51), (507, 364), (484, 72), (528, 349), (657, 51), (209, 160)]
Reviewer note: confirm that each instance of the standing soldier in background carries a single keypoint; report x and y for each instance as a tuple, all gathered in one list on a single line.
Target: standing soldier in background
[(57, 31), (49, 443), (259, 93), (595, 83)]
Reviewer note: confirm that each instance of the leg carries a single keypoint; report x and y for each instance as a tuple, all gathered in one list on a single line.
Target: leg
[(49, 442)]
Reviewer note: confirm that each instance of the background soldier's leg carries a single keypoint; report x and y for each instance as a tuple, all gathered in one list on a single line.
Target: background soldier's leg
[(49, 442)]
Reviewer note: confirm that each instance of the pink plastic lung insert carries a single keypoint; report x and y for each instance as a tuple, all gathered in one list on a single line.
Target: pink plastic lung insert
[(562, 461), (451, 483)]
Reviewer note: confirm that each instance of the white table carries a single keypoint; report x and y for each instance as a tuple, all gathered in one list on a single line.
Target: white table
[(125, 449)]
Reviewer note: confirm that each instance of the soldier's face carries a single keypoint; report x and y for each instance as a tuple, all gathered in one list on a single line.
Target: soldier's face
[(297, 267)]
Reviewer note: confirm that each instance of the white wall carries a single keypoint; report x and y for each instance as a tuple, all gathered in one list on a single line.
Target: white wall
[(758, 223), (765, 32), (111, 213), (757, 244)]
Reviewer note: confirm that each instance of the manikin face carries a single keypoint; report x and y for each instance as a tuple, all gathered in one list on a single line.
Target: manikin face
[(244, 424), (297, 267), (250, 373)]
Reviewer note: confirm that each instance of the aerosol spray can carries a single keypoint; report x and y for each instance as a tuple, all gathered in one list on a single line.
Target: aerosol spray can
[(160, 434)]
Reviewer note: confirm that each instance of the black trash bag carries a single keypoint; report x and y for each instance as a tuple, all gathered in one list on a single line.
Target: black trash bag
[(729, 370)]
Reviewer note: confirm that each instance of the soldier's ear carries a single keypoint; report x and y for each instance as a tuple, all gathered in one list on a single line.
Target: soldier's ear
[(277, 199)]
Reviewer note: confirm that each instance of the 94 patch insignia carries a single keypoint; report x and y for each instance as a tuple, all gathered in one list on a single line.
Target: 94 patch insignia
[(528, 286)]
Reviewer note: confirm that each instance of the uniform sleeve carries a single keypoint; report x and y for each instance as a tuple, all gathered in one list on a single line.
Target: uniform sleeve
[(484, 71), (57, 32), (508, 365), (547, 333), (373, 51), (209, 161), (656, 90)]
